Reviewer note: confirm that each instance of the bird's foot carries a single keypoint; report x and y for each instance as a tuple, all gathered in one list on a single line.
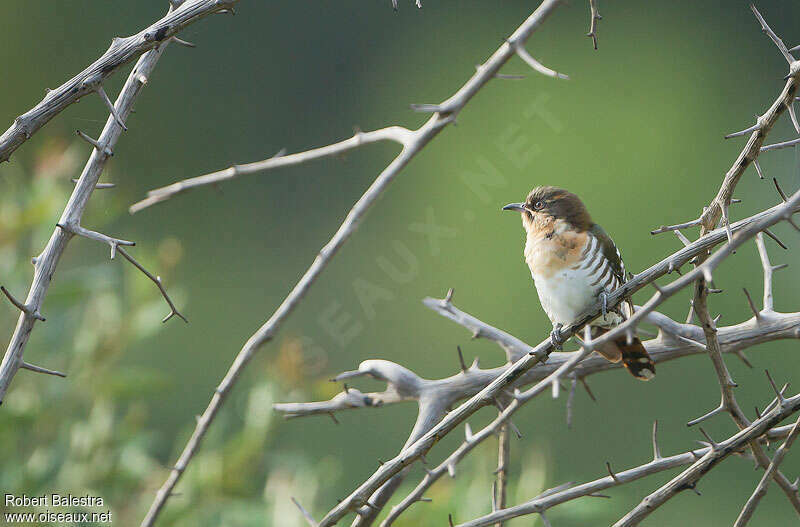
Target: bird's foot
[(555, 336), (603, 297)]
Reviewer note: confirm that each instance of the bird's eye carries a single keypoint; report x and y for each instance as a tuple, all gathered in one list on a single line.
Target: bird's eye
[(539, 205)]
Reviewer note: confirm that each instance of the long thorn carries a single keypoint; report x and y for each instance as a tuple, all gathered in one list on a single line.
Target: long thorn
[(22, 307), (39, 369), (103, 95), (611, 472)]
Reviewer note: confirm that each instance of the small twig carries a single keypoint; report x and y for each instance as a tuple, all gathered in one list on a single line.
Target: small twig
[(461, 362), (184, 43), (719, 409), (771, 34), (156, 280), (750, 302), (595, 17), (98, 186), (536, 65), (758, 169), (775, 239), (782, 144), (781, 400), (102, 148), (768, 270), (28, 310), (779, 189), (78, 230), (611, 472), (307, 515), (679, 226), (656, 451), (110, 105), (746, 131), (39, 369)]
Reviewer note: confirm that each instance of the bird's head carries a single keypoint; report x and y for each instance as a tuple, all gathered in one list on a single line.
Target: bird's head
[(546, 208)]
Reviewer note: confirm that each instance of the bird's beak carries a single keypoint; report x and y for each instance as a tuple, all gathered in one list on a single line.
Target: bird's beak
[(515, 206)]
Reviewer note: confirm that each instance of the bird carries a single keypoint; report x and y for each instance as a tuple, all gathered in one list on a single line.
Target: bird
[(574, 263)]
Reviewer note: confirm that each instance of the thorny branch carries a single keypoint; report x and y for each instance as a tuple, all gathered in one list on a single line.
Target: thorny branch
[(705, 456), (761, 488), (674, 341), (413, 142), (514, 375), (704, 273), (707, 220), (120, 52), (69, 223), (728, 401), (444, 114), (483, 387), (749, 154), (717, 452)]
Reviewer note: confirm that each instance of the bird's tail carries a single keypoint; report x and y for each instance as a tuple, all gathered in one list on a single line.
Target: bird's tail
[(634, 356)]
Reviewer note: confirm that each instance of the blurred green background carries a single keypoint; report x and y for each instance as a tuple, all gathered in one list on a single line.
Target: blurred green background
[(637, 132)]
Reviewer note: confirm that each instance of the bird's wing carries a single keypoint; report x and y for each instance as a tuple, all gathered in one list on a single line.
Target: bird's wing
[(611, 253)]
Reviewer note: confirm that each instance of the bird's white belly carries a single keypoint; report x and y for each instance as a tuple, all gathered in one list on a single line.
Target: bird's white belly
[(567, 293)]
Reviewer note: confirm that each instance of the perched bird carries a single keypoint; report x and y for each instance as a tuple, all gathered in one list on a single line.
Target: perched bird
[(574, 263)]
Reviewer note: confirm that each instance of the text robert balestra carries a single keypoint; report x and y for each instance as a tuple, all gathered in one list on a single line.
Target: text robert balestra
[(53, 500)]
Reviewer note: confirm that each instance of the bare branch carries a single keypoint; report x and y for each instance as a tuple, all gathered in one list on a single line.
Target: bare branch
[(121, 51), (77, 230), (513, 347), (45, 264), (397, 134), (771, 34), (173, 311)]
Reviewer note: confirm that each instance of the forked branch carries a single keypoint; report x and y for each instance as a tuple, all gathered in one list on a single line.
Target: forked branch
[(414, 142), (120, 52), (69, 223)]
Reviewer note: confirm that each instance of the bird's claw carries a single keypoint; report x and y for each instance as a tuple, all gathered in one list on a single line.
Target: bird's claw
[(555, 336)]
